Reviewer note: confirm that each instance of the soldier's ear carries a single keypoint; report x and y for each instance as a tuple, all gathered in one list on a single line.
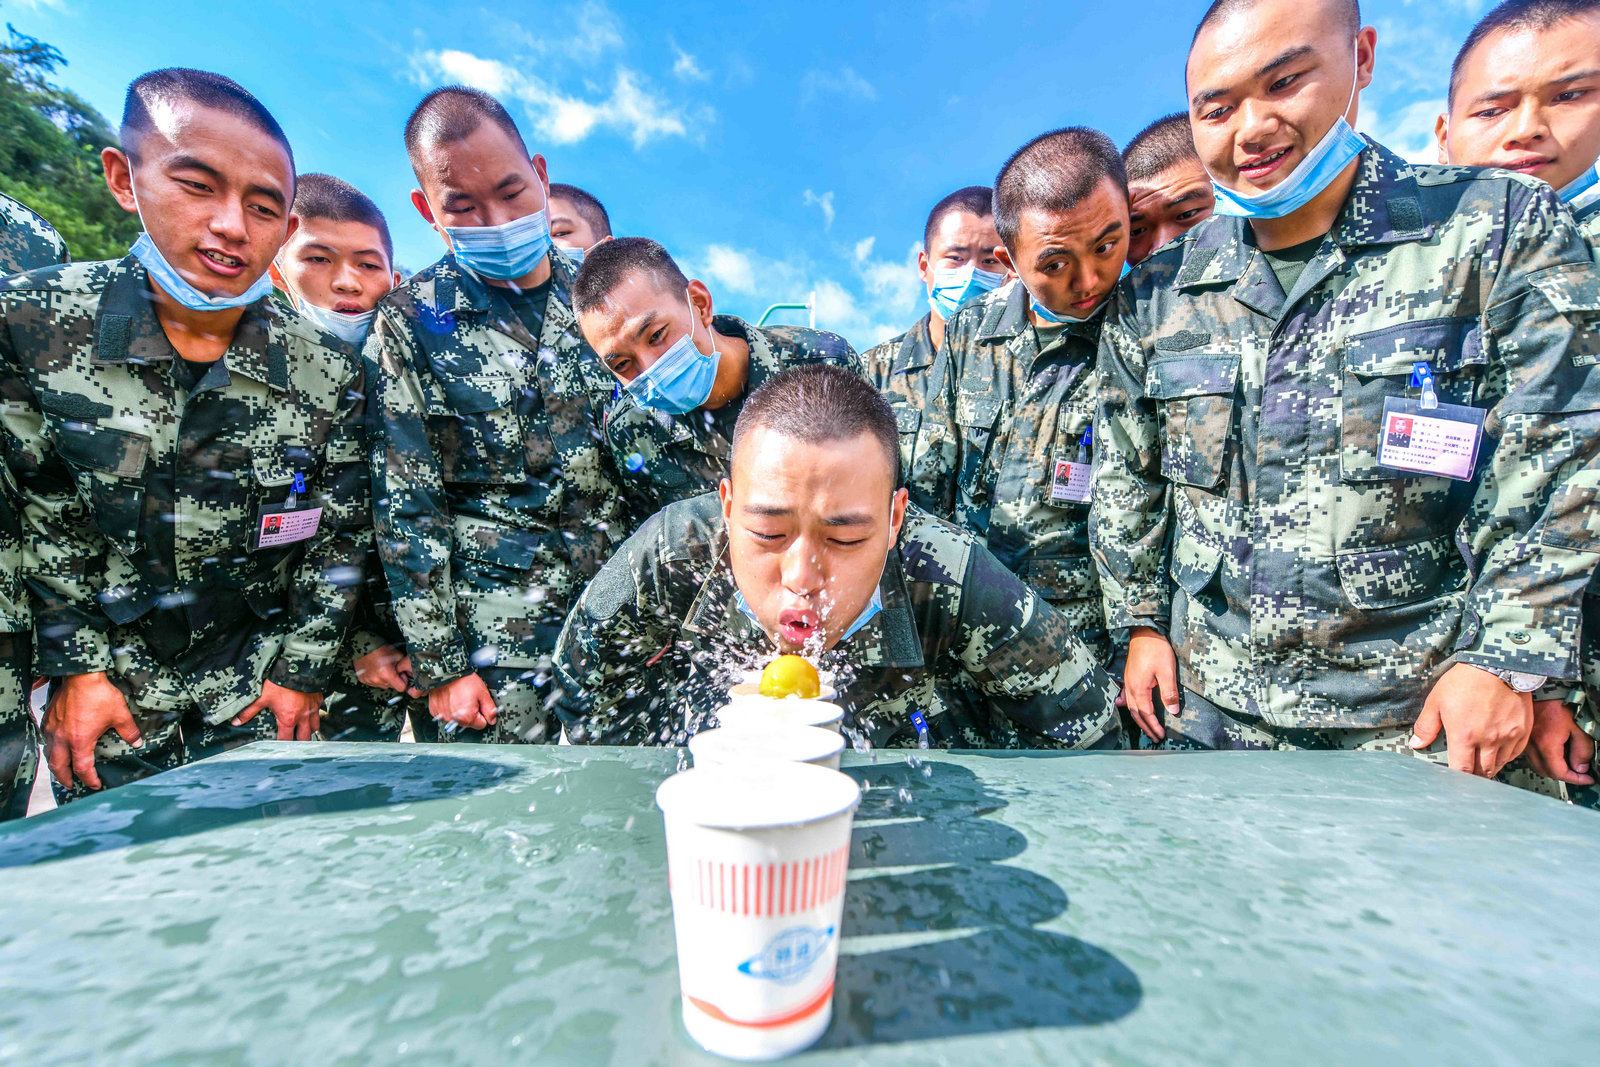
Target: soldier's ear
[(1004, 257), (725, 493), (897, 513)]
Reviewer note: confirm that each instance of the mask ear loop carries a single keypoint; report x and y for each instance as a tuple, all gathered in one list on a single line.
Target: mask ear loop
[(693, 316)]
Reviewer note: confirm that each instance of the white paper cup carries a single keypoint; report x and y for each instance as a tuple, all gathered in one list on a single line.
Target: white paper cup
[(740, 748), (766, 713), (756, 860)]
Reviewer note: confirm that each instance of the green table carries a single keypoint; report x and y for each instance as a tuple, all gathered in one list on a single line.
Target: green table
[(301, 903)]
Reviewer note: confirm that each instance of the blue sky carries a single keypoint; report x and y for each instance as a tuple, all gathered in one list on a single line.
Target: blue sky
[(776, 149)]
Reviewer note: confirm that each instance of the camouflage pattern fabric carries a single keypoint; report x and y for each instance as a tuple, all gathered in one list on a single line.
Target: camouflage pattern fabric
[(1315, 589), (143, 496), (1023, 401), (651, 647), (26, 242), (494, 498), (919, 386), (19, 738), (661, 458)]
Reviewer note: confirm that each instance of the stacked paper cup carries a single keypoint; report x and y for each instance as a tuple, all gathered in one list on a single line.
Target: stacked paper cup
[(757, 852)]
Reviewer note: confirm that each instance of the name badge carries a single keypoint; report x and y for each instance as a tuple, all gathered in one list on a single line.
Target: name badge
[(1442, 439), (284, 524), (1071, 482)]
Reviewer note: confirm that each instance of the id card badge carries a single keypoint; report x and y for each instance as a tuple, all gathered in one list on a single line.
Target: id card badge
[(1071, 483), (1441, 439), (284, 524)]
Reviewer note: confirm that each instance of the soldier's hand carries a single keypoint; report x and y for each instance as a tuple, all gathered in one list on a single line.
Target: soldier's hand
[(465, 701), (1558, 749), (1151, 667), (386, 668), (81, 709), (1486, 723), (298, 714)]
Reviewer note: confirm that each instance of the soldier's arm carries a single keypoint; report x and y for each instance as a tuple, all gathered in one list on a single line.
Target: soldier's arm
[(327, 583), (1026, 658), (63, 559), (1129, 513), (1532, 531), (410, 515), (614, 659)]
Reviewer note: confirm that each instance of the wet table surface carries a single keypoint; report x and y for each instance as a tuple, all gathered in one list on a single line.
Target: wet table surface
[(293, 903)]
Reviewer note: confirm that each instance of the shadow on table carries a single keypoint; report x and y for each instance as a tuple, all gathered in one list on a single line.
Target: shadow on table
[(982, 966), (219, 793)]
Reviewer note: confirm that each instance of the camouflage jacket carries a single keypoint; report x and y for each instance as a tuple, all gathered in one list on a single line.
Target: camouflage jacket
[(1020, 411), (1314, 587), (661, 458), (919, 385), (650, 648), (142, 498), (493, 496), (26, 242)]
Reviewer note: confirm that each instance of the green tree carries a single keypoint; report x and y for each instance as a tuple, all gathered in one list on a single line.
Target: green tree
[(50, 142)]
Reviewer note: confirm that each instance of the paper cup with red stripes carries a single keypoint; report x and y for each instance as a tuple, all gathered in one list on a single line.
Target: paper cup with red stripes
[(756, 861)]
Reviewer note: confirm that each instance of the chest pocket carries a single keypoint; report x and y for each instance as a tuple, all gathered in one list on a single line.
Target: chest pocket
[(474, 424), (1377, 365), (909, 421), (976, 414), (108, 467), (1196, 394)]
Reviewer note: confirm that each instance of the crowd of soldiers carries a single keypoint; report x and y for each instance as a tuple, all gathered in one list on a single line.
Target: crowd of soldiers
[(1251, 435)]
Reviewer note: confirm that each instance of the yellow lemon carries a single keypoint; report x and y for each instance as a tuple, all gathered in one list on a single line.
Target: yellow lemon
[(791, 676)]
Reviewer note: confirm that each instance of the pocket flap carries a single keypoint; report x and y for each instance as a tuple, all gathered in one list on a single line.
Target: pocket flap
[(271, 465), (100, 448), (1194, 563), (977, 410), (515, 550), (1570, 287), (1448, 344), (1393, 575), (473, 395), (908, 418), (1192, 374)]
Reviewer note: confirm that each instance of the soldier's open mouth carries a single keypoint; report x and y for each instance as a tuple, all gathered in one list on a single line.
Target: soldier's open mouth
[(798, 625)]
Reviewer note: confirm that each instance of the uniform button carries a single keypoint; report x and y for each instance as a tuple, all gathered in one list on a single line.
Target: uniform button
[(1519, 637)]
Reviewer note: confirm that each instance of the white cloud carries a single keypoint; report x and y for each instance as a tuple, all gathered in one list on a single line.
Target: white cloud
[(864, 248), (39, 5), (580, 34), (559, 117), (685, 66), (730, 269), (1409, 131), (824, 201), (842, 82)]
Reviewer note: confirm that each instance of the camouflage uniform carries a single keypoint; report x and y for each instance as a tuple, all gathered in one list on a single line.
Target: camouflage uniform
[(141, 499), (661, 458), (26, 242), (493, 495), (919, 386), (1316, 590), (650, 648), (1588, 219), (1020, 409)]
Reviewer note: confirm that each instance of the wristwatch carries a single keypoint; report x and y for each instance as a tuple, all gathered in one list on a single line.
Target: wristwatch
[(1519, 681)]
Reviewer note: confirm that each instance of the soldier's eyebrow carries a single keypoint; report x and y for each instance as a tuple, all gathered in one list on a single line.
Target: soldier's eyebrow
[(332, 251), (770, 511), (1497, 91), (849, 518), (188, 162), (1193, 194), (645, 324)]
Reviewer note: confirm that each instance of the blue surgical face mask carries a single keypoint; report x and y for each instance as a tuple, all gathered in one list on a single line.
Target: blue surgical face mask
[(681, 379), (574, 254), (1050, 316), (1325, 162), (504, 252), (954, 286), (874, 606), (1582, 190), (351, 329), (172, 283)]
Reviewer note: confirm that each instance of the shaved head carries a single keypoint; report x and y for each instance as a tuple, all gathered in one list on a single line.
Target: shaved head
[(1348, 12)]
